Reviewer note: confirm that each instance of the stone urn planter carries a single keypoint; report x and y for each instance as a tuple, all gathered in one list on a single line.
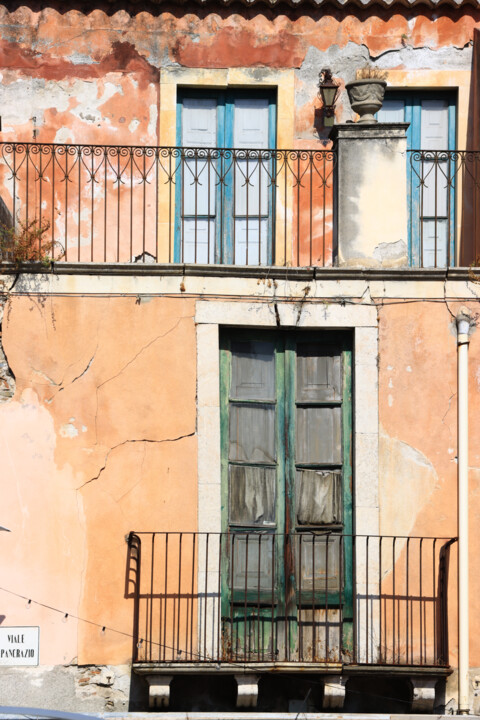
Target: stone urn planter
[(366, 98)]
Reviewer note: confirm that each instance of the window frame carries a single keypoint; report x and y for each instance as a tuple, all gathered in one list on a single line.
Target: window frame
[(224, 233), (412, 99)]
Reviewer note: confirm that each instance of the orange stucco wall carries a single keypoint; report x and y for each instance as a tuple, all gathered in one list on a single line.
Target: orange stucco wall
[(99, 440), (417, 411)]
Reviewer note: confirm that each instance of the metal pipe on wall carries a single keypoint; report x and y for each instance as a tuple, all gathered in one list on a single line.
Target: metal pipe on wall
[(463, 340)]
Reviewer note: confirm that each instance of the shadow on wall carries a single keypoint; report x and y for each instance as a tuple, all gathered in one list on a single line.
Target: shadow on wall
[(378, 694), (469, 243)]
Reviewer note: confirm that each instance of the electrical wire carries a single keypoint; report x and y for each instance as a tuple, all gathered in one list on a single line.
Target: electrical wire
[(201, 658)]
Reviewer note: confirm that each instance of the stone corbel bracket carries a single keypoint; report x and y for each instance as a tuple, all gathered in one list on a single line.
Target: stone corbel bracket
[(334, 692), (423, 694), (158, 691), (247, 690)]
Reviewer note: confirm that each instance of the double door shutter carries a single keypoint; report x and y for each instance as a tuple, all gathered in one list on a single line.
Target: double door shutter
[(225, 198)]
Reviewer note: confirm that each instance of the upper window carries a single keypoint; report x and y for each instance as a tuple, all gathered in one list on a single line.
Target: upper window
[(225, 196), (431, 172)]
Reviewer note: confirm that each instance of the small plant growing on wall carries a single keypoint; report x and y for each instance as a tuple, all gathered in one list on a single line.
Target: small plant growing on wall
[(371, 73), (26, 243)]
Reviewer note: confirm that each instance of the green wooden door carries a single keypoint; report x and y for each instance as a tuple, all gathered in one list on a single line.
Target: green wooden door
[(286, 495)]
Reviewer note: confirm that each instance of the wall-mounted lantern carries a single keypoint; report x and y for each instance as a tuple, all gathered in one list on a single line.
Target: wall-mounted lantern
[(328, 94)]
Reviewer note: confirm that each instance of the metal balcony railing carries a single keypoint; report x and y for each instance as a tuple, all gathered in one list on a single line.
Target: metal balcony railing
[(305, 597), (112, 204), (444, 205)]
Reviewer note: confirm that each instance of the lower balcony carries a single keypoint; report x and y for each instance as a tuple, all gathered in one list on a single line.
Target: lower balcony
[(247, 603)]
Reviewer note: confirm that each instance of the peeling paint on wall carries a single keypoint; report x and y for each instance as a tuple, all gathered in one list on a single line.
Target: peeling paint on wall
[(92, 77), (7, 378), (406, 480)]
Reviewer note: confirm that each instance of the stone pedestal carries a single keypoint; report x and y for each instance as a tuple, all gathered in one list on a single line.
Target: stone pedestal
[(371, 195)]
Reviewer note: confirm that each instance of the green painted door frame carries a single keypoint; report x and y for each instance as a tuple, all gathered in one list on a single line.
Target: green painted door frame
[(273, 611)]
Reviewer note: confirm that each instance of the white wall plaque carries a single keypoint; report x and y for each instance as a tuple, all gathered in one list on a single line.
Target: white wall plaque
[(19, 645)]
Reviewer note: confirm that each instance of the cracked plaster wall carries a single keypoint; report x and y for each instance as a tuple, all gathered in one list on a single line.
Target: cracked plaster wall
[(98, 440), (93, 688), (95, 77), (417, 413)]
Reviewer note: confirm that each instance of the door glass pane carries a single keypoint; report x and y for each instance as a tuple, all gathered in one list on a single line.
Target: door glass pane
[(253, 370), (319, 435), (318, 557), (252, 495), (318, 497), (252, 433), (318, 373), (252, 561)]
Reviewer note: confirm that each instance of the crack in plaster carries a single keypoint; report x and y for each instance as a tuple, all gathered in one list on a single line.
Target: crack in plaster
[(145, 347), (453, 394), (87, 368), (61, 385), (126, 442)]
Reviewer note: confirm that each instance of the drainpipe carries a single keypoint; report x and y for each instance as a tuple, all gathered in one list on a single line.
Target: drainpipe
[(463, 329)]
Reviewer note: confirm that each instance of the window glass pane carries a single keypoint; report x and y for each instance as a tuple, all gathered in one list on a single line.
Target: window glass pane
[(251, 186), (434, 231), (250, 123), (252, 557), (393, 110), (318, 373), (252, 495), (319, 435), (434, 129), (252, 433), (251, 241), (435, 188), (318, 557), (199, 186), (318, 497), (253, 370), (199, 122), (198, 240)]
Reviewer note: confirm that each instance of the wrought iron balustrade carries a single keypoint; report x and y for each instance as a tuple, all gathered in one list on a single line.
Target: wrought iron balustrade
[(444, 206), (305, 597), (99, 203)]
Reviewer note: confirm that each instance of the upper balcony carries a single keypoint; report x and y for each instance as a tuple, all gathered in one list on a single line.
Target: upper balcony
[(290, 208)]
